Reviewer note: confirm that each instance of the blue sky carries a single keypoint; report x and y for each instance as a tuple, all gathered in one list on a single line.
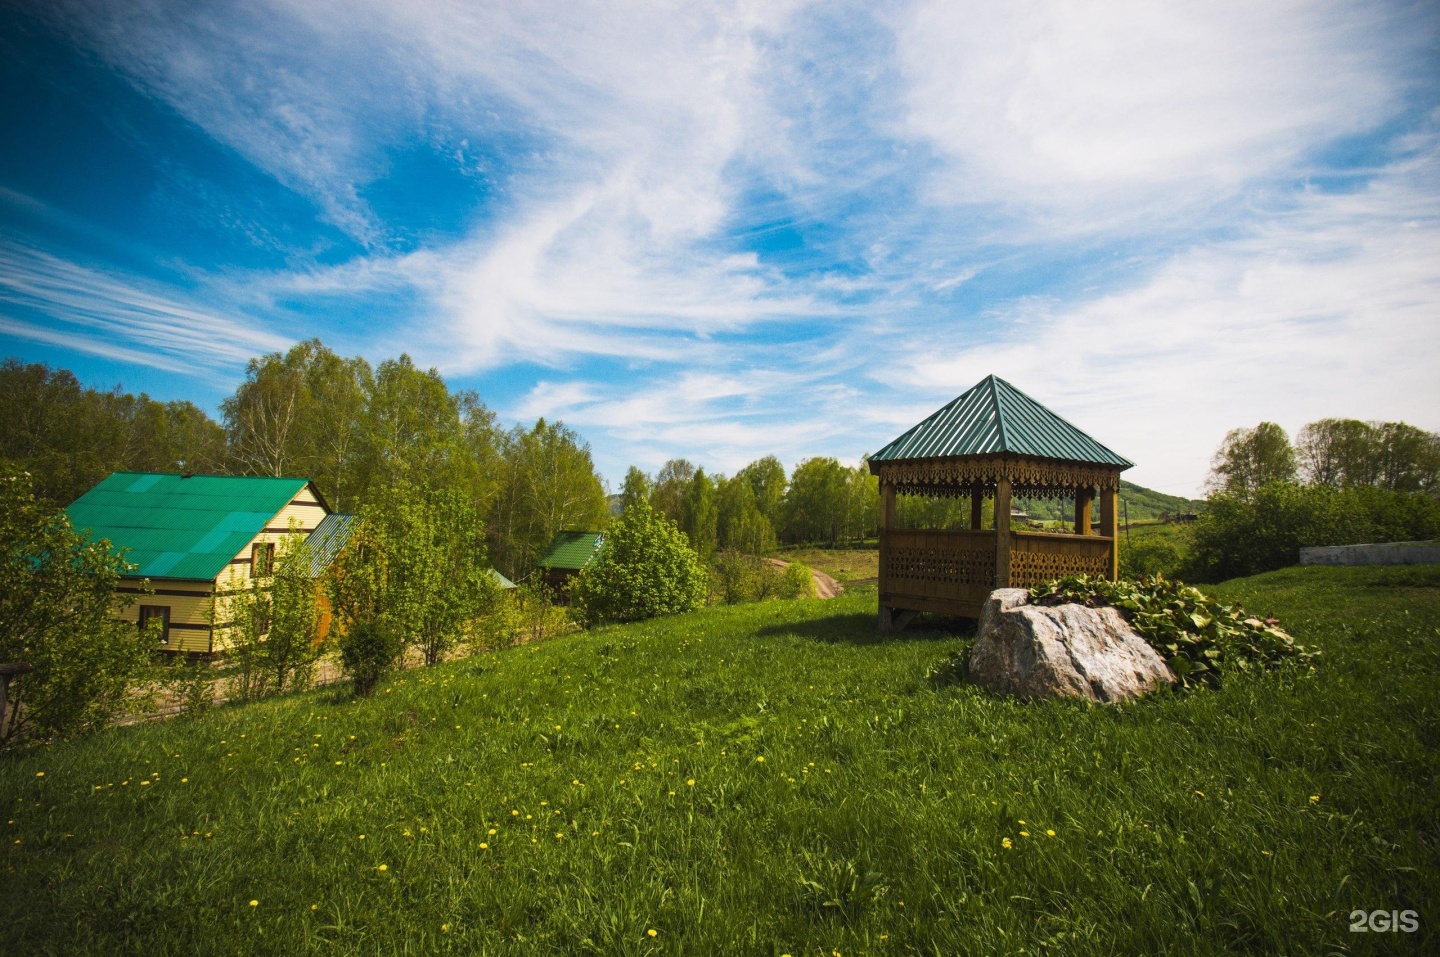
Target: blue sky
[(725, 230)]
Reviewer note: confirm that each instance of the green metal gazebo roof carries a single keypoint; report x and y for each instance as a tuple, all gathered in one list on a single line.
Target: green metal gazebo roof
[(177, 526), (995, 418), (572, 550)]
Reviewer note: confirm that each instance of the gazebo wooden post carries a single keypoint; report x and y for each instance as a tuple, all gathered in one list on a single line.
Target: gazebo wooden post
[(887, 523), (1109, 526), (1002, 533), (977, 499), (1083, 498)]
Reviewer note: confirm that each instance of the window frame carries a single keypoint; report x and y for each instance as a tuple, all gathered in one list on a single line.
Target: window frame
[(259, 568), (162, 612)]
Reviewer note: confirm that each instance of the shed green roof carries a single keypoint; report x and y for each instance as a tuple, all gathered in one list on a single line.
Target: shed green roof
[(572, 550), (176, 526), (995, 418)]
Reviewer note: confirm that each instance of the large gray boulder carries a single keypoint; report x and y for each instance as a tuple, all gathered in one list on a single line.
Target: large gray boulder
[(1066, 651)]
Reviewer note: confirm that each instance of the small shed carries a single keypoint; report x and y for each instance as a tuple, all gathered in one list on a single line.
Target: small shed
[(197, 539), (991, 443), (569, 552)]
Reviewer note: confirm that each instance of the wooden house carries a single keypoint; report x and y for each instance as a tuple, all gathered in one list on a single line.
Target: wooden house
[(197, 539), (990, 443), (569, 552)]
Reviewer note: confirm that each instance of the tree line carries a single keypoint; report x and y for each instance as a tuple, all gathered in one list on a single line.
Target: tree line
[(1341, 482)]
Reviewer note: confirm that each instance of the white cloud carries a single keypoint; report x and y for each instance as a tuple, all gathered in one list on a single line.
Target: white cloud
[(1330, 309), (1063, 106), (90, 309)]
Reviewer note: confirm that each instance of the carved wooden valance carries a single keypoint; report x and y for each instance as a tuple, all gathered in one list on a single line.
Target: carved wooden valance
[(1029, 478)]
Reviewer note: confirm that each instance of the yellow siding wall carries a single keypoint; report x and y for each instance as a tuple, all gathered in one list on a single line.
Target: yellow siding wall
[(302, 515), (189, 604)]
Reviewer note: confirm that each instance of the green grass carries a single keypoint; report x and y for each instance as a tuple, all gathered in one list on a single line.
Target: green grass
[(876, 823), (842, 564)]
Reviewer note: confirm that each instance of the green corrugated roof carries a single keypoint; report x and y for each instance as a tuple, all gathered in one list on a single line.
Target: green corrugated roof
[(572, 550), (179, 527), (501, 580), (992, 418)]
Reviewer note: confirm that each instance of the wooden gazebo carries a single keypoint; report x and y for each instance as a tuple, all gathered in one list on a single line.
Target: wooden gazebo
[(992, 442)]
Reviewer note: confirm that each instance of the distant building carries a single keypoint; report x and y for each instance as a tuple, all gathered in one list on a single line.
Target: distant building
[(568, 553), (200, 538)]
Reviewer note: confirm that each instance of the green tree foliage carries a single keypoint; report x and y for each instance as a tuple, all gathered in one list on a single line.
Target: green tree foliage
[(57, 598), (637, 488), (546, 484), (1247, 534), (827, 502), (767, 480), (1343, 453), (646, 569), (671, 486), (69, 437), (274, 630), (740, 526), (1250, 458), (368, 651), (700, 516), (417, 568)]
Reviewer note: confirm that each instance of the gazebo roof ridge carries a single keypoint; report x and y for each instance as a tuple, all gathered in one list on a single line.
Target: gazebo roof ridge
[(995, 418)]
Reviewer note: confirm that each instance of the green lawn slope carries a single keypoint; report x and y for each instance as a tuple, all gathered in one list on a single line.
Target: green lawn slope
[(764, 779)]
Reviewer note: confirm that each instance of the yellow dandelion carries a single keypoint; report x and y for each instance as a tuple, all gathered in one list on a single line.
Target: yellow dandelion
[(1266, 853), (484, 846), (383, 868), (559, 836), (254, 903), (760, 759), (651, 932), (527, 817), (492, 832), (362, 837), (514, 813), (690, 783), (444, 928), (39, 774), (184, 780), (1024, 833), (1201, 793), (144, 784), (314, 906), (1050, 833), (1314, 799), (1005, 843)]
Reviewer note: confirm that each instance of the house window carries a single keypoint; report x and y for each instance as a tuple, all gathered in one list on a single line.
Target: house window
[(162, 612), (262, 559)]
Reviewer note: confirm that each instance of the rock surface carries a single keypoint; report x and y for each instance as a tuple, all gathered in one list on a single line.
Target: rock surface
[(1066, 651)]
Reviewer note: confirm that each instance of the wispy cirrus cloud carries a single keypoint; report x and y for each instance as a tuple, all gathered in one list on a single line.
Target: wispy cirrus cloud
[(52, 300), (842, 211)]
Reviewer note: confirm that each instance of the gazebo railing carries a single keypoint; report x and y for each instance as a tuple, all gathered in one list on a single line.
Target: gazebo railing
[(934, 570), (1036, 557), (937, 566)]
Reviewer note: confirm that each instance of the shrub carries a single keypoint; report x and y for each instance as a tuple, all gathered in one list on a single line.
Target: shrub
[(1150, 556), (737, 577), (1241, 534), (797, 581), (274, 635), (1196, 635), (57, 605), (645, 569), (521, 615), (368, 651)]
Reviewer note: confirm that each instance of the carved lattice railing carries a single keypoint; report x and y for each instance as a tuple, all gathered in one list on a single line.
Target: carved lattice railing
[(1036, 557), (940, 565)]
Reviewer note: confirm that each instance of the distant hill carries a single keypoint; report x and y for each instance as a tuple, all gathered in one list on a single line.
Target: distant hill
[(1146, 505)]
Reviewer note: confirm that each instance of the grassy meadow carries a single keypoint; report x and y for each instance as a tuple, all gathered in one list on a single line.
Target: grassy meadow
[(842, 564), (761, 779)]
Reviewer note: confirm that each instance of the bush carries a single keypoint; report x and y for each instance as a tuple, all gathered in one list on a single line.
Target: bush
[(274, 636), (797, 581), (1195, 634), (737, 577), (521, 615), (368, 651), (1150, 556), (644, 570), (57, 614), (1248, 534)]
